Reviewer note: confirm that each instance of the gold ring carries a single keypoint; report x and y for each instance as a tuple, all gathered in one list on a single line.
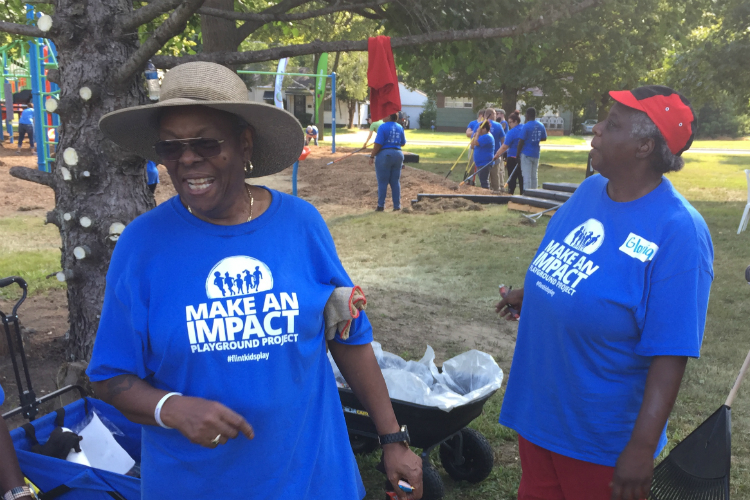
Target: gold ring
[(216, 440)]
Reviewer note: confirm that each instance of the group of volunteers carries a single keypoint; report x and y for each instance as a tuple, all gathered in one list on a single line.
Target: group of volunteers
[(614, 303), (494, 139)]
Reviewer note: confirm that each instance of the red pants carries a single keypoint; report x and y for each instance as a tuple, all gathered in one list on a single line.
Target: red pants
[(547, 475)]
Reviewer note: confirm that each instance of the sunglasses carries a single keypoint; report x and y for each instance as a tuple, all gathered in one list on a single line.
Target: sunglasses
[(173, 150)]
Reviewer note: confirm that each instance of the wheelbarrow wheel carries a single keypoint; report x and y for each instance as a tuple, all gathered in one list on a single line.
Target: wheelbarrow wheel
[(432, 483), (362, 445), (477, 455)]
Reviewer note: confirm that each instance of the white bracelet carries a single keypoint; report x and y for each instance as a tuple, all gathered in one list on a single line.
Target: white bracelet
[(157, 410)]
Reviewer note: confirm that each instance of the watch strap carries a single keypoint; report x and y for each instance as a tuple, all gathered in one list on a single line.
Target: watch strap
[(397, 437), (18, 493)]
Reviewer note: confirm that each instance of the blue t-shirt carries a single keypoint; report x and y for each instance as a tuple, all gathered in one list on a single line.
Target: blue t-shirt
[(390, 136), (473, 125), (152, 173), (2, 395), (611, 286), (498, 134), (533, 133), (233, 314), (313, 131), (485, 150), (505, 126), (27, 117), (511, 139)]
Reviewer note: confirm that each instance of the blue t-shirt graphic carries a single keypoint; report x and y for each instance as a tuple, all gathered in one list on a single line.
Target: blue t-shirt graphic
[(611, 286), (27, 117), (181, 313), (390, 136), (484, 152), (498, 134), (511, 139), (533, 133)]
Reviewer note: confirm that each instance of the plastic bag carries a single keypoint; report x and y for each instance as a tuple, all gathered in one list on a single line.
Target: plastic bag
[(465, 378)]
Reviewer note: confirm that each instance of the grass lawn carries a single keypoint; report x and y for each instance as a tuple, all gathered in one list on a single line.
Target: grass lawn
[(429, 253), (30, 249)]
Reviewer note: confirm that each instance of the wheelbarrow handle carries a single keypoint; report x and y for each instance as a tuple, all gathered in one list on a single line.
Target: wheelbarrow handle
[(12, 279)]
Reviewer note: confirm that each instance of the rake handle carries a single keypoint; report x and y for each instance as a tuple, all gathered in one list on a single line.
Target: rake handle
[(736, 386)]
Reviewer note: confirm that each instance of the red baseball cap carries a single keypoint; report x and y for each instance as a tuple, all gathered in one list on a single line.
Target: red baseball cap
[(669, 110)]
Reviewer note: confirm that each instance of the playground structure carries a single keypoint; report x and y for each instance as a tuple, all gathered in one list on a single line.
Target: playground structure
[(25, 65)]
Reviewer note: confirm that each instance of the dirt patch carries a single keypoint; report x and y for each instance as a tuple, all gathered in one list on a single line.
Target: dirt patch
[(432, 206)]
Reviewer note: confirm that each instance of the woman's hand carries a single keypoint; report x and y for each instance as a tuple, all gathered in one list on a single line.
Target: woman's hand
[(513, 299), (201, 420), (372, 160), (633, 473), (401, 463)]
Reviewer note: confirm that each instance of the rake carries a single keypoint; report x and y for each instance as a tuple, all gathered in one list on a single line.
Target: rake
[(344, 157), (698, 467), (535, 217)]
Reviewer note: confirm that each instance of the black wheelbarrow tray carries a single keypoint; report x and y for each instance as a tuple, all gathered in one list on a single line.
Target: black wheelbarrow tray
[(464, 453)]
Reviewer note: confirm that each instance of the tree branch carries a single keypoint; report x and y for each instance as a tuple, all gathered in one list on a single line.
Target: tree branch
[(297, 16), (173, 26), (22, 29), (249, 27), (147, 14), (317, 47), (32, 175)]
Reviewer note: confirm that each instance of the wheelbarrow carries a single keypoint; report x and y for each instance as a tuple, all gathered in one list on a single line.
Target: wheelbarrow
[(57, 478), (465, 453)]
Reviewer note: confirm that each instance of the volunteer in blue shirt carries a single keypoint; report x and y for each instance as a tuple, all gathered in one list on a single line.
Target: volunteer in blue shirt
[(12, 484), (614, 304), (152, 176), (533, 133), (472, 127), (501, 119), (26, 127), (484, 150), (311, 132), (498, 134), (232, 383), (511, 147), (389, 160)]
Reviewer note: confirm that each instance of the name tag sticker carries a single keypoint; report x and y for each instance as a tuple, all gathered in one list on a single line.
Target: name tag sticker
[(639, 248)]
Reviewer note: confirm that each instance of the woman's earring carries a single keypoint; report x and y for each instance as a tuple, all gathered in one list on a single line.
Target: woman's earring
[(248, 167)]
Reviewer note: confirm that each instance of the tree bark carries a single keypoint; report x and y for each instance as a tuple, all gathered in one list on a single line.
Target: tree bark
[(602, 107), (116, 189), (219, 34), (352, 109), (510, 99)]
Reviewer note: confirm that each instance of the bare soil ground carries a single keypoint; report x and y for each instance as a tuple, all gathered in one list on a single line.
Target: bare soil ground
[(345, 187)]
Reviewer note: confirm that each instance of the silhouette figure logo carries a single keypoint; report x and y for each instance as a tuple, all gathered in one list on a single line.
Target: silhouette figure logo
[(587, 237), (237, 276)]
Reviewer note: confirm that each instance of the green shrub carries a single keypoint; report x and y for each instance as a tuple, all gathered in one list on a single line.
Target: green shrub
[(429, 115)]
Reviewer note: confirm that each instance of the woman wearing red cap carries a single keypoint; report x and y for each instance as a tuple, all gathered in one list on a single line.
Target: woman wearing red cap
[(614, 304)]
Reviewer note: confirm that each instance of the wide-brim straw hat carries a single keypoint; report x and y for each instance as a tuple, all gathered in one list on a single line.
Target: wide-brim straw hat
[(278, 138)]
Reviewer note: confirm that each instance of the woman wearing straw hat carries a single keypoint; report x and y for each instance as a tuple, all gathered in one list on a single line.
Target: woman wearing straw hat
[(232, 382), (614, 303)]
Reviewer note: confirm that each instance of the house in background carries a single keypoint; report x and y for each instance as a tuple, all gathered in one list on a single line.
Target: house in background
[(455, 113), (412, 103)]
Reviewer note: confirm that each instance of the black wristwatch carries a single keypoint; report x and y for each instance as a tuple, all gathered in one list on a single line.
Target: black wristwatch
[(397, 437)]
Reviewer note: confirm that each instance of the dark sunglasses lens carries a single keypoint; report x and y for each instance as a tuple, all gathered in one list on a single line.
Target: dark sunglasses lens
[(206, 148), (169, 150)]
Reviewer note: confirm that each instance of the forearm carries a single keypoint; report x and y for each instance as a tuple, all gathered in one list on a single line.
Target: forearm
[(662, 385), (360, 369), (500, 151), (376, 149), (133, 397), (368, 140), (10, 472), (520, 147)]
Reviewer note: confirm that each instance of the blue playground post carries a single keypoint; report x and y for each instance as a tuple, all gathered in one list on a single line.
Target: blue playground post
[(333, 112), (8, 100)]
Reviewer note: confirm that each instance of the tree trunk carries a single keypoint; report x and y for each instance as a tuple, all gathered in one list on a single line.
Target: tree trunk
[(115, 189), (602, 107), (218, 34), (510, 99), (352, 109)]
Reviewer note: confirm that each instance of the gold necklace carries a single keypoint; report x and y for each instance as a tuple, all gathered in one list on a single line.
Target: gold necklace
[(252, 202)]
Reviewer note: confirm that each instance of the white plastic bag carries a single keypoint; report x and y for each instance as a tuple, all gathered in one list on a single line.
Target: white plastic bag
[(465, 378), (101, 449)]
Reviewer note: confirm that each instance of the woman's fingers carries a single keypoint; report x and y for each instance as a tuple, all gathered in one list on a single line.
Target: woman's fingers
[(238, 424)]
